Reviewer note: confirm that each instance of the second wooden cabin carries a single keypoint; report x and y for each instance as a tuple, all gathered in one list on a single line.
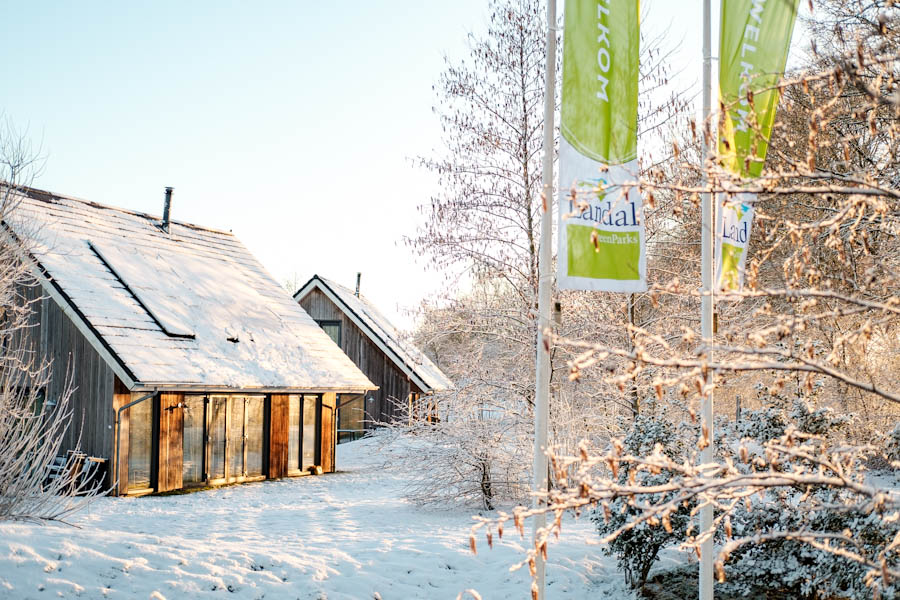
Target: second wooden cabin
[(405, 376)]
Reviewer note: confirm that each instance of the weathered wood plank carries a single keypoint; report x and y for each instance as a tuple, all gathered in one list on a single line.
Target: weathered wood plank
[(171, 448), (327, 436), (121, 397), (278, 436)]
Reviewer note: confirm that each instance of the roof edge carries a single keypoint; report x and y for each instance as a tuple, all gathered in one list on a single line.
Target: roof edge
[(199, 387), (70, 310), (28, 191)]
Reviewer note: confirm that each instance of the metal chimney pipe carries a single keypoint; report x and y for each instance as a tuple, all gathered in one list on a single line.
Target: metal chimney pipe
[(358, 277), (166, 207)]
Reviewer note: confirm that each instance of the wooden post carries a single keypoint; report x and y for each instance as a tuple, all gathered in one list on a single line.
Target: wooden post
[(329, 404)]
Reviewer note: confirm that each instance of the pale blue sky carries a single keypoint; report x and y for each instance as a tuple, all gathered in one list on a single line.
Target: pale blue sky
[(290, 123)]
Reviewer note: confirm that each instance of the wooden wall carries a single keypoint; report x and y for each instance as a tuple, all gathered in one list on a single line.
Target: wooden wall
[(98, 394), (121, 397), (329, 432), (278, 436), (171, 448), (393, 384), (74, 361)]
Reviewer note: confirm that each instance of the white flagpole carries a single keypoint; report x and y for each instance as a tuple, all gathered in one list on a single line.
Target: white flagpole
[(706, 307), (542, 376)]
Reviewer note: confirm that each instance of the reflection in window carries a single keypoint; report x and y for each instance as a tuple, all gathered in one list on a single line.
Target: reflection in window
[(217, 407), (309, 431), (333, 329), (351, 417), (194, 423), (254, 433), (236, 437), (140, 444), (293, 433)]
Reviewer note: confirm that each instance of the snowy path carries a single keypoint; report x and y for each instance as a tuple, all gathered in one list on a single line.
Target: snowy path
[(349, 535)]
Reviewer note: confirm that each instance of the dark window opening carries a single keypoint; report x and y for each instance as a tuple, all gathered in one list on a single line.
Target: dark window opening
[(333, 329)]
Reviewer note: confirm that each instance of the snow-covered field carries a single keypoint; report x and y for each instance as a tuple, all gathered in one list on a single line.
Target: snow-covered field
[(343, 536)]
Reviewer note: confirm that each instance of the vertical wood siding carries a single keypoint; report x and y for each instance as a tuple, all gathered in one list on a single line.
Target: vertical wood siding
[(98, 394), (171, 448), (393, 385), (73, 361), (121, 397), (278, 436), (329, 430)]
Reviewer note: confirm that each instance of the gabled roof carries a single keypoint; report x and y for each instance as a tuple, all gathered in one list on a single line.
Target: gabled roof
[(409, 359), (188, 309)]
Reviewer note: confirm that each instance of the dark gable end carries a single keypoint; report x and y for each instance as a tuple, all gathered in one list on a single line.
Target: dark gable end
[(420, 370)]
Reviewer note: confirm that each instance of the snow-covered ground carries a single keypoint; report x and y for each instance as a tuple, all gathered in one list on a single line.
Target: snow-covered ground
[(349, 535)]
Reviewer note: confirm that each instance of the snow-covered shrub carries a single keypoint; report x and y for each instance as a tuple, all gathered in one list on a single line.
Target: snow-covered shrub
[(477, 454), (637, 548), (798, 568), (791, 565)]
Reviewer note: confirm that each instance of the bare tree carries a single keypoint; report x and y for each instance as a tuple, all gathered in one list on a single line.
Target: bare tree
[(32, 425), (482, 229), (817, 324)]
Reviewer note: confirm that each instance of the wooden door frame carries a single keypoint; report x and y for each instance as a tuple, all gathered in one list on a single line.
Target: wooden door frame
[(317, 455)]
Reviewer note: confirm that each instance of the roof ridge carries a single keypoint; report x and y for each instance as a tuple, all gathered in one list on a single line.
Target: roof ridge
[(48, 197)]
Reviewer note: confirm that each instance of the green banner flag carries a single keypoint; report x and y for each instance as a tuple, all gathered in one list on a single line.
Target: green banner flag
[(755, 36), (601, 231), (754, 39)]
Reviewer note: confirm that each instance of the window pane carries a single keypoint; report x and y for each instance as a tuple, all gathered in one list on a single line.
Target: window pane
[(140, 444), (217, 407), (254, 434), (192, 472), (309, 431), (236, 437), (294, 433), (333, 331), (351, 415)]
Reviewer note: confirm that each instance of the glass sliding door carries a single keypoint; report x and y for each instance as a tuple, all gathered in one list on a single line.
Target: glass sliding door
[(351, 417), (236, 438), (193, 444), (254, 433), (245, 437), (294, 410), (140, 444), (217, 436), (311, 420)]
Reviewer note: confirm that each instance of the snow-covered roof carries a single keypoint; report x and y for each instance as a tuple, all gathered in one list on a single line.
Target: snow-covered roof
[(382, 333), (187, 309)]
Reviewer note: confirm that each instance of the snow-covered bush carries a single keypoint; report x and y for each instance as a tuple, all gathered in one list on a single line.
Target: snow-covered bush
[(477, 453), (791, 565), (637, 548), (798, 568)]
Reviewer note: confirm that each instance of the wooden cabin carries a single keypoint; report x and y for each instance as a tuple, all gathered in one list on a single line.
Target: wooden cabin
[(404, 374), (190, 365)]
